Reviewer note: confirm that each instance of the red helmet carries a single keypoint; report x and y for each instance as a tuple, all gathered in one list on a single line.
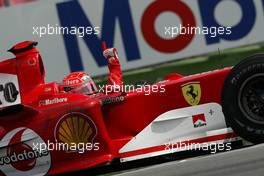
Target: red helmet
[(79, 82)]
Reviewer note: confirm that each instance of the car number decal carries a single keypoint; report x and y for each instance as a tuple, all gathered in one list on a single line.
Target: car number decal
[(9, 90)]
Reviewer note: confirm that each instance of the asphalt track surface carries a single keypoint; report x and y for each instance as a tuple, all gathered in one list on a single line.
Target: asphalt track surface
[(242, 162)]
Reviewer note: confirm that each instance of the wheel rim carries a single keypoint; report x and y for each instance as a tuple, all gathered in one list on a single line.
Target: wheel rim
[(251, 98)]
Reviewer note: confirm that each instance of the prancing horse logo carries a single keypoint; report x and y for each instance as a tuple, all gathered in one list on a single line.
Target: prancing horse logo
[(192, 93)]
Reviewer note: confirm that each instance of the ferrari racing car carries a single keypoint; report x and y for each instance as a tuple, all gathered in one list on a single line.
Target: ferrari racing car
[(53, 128)]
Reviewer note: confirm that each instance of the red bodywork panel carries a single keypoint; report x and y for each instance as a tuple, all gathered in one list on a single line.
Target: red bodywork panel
[(50, 113)]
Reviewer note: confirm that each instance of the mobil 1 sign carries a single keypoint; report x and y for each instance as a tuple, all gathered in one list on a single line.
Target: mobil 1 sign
[(145, 32), (139, 28)]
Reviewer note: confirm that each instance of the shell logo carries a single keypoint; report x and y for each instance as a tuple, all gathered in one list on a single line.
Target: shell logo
[(75, 128)]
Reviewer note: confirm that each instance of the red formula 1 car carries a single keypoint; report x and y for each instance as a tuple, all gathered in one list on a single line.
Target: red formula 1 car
[(45, 129)]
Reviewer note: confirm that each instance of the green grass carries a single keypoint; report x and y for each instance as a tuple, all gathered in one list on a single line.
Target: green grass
[(189, 66)]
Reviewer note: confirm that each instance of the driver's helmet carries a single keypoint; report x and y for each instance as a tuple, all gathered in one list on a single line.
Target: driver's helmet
[(79, 82)]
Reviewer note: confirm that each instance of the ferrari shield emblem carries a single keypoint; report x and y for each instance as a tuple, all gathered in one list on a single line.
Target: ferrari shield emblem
[(192, 93)]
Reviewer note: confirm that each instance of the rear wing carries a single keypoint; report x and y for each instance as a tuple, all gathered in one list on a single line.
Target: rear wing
[(20, 76)]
